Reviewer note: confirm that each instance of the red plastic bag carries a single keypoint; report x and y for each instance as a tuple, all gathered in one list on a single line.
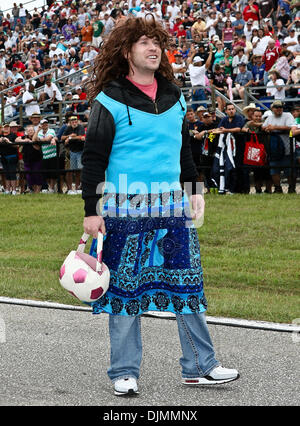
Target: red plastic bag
[(255, 153)]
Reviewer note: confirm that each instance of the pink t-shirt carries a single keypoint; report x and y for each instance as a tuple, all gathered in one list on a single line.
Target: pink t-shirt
[(149, 89)]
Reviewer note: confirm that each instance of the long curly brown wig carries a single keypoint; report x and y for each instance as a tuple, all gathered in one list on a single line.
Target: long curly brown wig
[(111, 64)]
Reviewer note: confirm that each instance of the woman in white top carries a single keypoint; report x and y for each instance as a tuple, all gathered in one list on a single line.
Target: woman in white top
[(277, 91)]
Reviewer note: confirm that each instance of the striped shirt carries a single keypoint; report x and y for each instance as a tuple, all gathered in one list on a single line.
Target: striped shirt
[(49, 151)]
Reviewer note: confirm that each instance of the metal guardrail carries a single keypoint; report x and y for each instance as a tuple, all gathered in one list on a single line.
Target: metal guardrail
[(24, 3), (61, 172), (43, 104)]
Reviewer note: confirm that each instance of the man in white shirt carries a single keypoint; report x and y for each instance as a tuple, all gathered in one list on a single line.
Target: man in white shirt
[(197, 75), (275, 87), (211, 24), (90, 53), (10, 104), (30, 102), (172, 11), (51, 92), (53, 50), (279, 125), (291, 40)]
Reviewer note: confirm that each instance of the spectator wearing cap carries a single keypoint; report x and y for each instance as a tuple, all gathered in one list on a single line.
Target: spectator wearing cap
[(9, 159), (199, 28), (53, 50), (74, 138), (279, 124), (197, 72), (243, 79), (203, 146), (239, 24), (292, 40), (47, 135), (77, 108), (35, 119), (179, 69), (283, 16)]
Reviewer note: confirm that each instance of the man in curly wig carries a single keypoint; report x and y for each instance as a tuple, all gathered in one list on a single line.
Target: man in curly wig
[(137, 149)]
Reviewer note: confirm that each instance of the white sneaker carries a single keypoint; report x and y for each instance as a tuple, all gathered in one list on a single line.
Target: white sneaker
[(126, 387), (218, 375), (13, 193), (71, 192), (78, 191)]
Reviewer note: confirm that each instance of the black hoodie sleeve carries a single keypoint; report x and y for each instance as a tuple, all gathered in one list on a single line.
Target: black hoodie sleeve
[(97, 148), (188, 168)]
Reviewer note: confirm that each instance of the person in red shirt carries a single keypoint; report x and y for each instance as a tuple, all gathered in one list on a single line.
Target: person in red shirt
[(271, 55), (178, 22), (20, 66), (251, 11), (80, 93)]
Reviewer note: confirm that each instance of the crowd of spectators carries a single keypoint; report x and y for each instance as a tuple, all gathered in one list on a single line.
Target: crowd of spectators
[(45, 55)]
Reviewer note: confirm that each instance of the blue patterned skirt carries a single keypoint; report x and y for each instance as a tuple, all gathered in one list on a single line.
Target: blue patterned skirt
[(154, 259)]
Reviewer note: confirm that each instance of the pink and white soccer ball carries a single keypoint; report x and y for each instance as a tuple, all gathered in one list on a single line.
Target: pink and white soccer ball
[(79, 277)]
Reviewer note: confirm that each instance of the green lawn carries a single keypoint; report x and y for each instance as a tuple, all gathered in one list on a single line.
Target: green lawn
[(250, 248)]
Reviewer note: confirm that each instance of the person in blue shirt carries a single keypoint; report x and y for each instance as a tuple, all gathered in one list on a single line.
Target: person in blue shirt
[(239, 24), (243, 79), (238, 177), (258, 70)]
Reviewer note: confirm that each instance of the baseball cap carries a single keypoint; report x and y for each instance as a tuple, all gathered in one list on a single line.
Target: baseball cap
[(197, 59), (277, 104), (43, 121)]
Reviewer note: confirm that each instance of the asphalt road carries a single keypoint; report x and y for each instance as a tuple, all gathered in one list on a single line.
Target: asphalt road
[(54, 357)]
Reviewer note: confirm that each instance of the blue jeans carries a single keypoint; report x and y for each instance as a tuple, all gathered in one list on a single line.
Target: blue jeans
[(198, 357), (198, 95)]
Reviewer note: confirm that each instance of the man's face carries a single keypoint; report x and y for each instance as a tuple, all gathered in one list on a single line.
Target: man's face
[(145, 55), (257, 116), (74, 123), (207, 119), (230, 111), (35, 120), (190, 116), (277, 111)]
